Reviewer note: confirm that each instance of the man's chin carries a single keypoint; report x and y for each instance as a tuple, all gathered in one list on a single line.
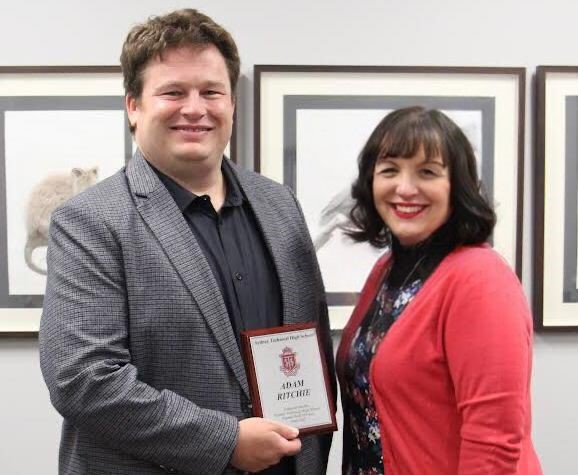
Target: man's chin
[(191, 153)]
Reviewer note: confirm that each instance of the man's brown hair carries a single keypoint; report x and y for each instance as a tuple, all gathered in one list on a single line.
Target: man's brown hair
[(181, 28)]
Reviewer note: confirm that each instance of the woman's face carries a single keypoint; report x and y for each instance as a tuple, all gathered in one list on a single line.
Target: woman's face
[(412, 195)]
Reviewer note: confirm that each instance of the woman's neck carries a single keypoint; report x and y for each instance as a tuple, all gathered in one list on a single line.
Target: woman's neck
[(419, 260)]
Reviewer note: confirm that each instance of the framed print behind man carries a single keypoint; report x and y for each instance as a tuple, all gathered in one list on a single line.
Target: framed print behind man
[(61, 130)]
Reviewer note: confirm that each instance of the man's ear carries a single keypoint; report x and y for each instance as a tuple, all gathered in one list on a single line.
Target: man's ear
[(131, 104), (234, 102)]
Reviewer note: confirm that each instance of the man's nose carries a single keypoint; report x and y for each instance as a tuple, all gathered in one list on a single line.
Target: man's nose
[(194, 105)]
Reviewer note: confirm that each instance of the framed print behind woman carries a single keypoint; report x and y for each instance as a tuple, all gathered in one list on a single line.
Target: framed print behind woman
[(310, 125)]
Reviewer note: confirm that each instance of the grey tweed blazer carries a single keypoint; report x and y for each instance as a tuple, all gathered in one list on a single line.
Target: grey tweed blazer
[(136, 345)]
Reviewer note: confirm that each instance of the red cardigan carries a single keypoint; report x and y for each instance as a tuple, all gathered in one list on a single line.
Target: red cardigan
[(451, 379)]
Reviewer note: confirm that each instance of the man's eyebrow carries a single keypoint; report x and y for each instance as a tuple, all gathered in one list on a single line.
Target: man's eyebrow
[(168, 85), (176, 83), (215, 83)]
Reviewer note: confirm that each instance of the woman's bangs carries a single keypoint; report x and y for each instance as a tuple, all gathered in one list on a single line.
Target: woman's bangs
[(406, 142)]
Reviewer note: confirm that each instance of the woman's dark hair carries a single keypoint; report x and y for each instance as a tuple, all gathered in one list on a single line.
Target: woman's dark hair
[(401, 134)]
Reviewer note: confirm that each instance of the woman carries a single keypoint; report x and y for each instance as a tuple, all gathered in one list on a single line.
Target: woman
[(435, 361)]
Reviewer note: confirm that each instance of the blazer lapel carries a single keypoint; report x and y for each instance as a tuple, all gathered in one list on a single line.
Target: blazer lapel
[(160, 212), (271, 229)]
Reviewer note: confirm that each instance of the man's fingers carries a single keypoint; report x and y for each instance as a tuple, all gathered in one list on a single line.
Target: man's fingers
[(292, 447), (285, 431), (262, 443), (287, 448)]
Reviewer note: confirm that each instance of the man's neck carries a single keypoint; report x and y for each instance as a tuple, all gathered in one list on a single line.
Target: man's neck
[(211, 184), (200, 179)]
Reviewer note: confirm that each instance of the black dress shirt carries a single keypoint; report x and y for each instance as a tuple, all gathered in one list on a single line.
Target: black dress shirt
[(233, 244), (237, 254)]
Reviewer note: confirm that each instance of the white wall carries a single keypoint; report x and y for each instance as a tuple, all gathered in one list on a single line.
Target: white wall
[(378, 32)]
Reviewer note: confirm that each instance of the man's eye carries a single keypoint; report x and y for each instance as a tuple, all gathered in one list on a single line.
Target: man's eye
[(172, 93)]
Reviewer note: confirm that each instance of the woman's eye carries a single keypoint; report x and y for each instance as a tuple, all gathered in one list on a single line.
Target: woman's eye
[(428, 172), (387, 171)]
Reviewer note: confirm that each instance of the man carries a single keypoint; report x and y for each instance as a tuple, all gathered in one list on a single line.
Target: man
[(154, 272)]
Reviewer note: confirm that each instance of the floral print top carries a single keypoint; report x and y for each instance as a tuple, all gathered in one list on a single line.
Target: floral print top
[(365, 457)]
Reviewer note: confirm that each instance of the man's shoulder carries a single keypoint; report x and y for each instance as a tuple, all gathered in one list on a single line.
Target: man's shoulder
[(108, 194), (255, 185), (252, 178)]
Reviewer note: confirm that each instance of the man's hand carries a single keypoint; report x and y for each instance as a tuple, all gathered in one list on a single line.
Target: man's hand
[(263, 443)]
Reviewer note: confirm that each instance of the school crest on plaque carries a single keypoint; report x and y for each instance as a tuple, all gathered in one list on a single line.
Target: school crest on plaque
[(289, 365)]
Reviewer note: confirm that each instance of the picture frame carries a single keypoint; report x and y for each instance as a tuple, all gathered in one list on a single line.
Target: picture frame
[(312, 121), (556, 199), (77, 118)]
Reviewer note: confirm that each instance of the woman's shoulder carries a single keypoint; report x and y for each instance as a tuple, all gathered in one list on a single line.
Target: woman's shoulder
[(475, 255), (480, 262)]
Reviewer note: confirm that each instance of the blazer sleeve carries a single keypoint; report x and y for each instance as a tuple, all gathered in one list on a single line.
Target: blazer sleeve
[(488, 338), (86, 360)]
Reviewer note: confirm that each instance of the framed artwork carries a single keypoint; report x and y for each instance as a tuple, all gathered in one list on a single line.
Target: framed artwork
[(61, 130), (312, 121), (556, 199)]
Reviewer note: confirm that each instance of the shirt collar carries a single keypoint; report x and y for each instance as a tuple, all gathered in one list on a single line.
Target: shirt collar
[(234, 195), (183, 197)]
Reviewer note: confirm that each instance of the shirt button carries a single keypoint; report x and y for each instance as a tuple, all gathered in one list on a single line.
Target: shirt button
[(238, 276)]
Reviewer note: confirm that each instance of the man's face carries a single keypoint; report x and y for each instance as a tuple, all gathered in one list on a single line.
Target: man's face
[(185, 112)]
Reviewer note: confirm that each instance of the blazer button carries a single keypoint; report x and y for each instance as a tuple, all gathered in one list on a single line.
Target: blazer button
[(168, 469)]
